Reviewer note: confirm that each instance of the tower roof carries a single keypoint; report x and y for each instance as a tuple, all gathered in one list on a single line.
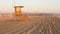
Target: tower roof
[(18, 6)]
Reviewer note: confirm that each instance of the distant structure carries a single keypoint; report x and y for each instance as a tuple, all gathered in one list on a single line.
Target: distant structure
[(18, 13)]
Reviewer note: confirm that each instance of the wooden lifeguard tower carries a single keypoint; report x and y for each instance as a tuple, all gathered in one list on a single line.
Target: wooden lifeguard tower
[(18, 13)]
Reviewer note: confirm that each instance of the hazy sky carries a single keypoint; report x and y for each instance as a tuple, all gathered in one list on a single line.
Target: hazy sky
[(35, 6)]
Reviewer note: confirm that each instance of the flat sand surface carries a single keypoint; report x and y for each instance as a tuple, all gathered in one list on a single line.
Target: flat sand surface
[(35, 25)]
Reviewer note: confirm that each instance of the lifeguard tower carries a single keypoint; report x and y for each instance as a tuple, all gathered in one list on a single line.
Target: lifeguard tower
[(18, 13)]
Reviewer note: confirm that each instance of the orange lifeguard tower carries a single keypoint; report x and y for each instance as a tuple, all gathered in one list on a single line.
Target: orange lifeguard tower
[(18, 13)]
